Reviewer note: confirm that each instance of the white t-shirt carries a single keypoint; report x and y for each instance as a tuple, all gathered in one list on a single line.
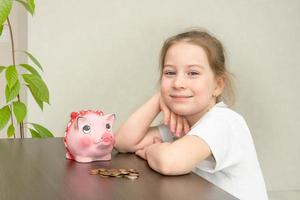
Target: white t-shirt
[(234, 166)]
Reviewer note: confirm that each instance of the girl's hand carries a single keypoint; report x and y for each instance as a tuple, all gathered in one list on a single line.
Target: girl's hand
[(178, 125), (143, 152)]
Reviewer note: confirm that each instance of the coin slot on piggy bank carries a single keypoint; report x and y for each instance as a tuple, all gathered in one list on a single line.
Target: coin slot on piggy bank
[(89, 136)]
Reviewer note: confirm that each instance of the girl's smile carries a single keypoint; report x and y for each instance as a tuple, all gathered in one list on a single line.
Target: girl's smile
[(180, 97)]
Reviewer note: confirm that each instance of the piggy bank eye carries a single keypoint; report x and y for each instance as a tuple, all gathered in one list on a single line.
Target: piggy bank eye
[(108, 126), (86, 129)]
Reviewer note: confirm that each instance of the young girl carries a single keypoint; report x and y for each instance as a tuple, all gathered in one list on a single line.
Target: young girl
[(218, 146)]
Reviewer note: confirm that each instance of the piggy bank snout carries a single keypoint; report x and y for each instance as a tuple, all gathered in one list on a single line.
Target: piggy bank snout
[(107, 138)]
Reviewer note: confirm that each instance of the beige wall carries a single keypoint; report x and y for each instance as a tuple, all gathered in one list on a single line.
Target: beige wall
[(104, 54)]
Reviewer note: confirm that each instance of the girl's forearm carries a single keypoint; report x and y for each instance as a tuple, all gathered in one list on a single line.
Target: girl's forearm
[(133, 130)]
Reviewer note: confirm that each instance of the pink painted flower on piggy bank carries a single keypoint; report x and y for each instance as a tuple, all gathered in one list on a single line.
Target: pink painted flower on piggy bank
[(89, 136)]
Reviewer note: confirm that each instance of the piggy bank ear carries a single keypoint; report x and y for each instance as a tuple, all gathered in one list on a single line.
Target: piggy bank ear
[(110, 118), (80, 121)]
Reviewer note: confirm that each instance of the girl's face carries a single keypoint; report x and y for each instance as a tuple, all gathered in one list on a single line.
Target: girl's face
[(188, 85)]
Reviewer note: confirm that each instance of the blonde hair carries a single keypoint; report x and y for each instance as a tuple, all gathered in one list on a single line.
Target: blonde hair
[(215, 54)]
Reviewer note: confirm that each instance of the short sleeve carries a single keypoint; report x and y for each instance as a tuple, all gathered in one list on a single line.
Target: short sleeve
[(165, 133), (218, 134)]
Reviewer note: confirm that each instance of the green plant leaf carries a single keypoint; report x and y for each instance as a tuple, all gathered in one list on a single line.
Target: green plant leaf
[(43, 132), (5, 8), (30, 69), (20, 110), (38, 87), (39, 102), (4, 116), (10, 130), (29, 5), (34, 60), (1, 28), (11, 76), (34, 134), (12, 93), (2, 67)]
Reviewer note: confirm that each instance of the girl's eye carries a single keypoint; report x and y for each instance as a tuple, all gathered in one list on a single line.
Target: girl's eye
[(169, 73), (86, 129), (193, 73), (108, 126)]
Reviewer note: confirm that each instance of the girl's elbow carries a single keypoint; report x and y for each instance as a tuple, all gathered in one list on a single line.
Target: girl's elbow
[(121, 147), (162, 164), (165, 170), (124, 147)]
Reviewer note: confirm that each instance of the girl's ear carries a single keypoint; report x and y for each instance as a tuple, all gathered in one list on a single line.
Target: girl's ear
[(220, 84)]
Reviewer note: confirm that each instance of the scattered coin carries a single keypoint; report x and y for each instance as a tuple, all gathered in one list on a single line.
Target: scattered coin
[(133, 170), (134, 174), (118, 173), (94, 172), (105, 173), (102, 169), (132, 177)]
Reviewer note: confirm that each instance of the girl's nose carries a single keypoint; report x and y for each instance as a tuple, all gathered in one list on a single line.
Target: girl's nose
[(179, 82)]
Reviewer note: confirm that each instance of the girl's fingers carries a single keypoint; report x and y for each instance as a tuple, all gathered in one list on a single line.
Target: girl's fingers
[(179, 126), (173, 120), (186, 126), (141, 153), (166, 112), (166, 116)]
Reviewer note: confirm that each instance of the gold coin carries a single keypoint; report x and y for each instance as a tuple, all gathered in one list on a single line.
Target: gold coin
[(134, 174), (94, 171), (104, 173), (103, 176), (131, 177), (133, 170), (124, 172), (116, 173)]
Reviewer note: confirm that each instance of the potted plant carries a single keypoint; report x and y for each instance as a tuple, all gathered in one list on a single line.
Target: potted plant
[(15, 81)]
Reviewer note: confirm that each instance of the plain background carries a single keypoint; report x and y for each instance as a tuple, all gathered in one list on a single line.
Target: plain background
[(104, 55)]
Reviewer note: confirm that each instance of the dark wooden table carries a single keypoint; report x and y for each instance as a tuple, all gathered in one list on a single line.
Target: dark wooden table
[(33, 169)]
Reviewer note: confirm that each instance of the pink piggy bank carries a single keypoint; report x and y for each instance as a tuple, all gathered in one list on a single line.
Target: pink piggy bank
[(89, 136)]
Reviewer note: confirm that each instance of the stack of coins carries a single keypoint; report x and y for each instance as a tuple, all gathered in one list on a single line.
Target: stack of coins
[(118, 173)]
